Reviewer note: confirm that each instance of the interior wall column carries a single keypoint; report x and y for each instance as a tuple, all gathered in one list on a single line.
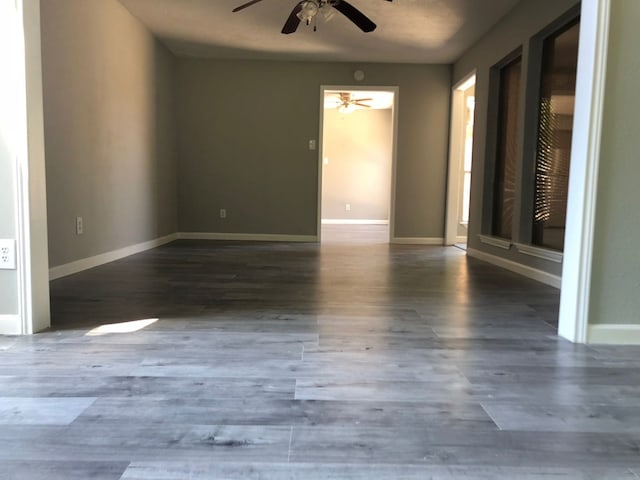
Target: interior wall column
[(24, 296)]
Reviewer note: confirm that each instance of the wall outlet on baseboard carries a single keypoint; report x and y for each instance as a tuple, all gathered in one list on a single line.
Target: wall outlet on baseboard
[(7, 254), (79, 226), (223, 213)]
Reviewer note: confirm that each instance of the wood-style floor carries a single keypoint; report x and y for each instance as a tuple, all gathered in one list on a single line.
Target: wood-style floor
[(350, 360)]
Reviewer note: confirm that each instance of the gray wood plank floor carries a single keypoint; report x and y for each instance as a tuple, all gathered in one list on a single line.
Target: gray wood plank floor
[(349, 360)]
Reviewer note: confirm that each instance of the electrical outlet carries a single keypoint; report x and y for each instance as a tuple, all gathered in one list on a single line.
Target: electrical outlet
[(7, 254), (223, 213), (347, 207), (79, 226)]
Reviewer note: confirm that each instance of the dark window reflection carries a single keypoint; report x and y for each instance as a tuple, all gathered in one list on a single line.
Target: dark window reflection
[(504, 193), (557, 99)]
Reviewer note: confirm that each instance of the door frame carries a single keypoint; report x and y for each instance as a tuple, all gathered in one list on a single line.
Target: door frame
[(575, 292), (456, 157), (394, 147)]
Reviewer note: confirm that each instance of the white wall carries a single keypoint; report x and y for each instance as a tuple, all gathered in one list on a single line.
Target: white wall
[(357, 151), (12, 109)]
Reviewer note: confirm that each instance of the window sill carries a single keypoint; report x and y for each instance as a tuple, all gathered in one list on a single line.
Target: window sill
[(544, 253), (495, 241)]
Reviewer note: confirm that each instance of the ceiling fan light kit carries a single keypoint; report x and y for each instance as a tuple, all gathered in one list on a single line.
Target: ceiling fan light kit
[(327, 11), (307, 11)]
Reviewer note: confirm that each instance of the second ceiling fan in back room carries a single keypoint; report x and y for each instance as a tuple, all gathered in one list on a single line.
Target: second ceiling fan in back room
[(307, 11), (345, 103)]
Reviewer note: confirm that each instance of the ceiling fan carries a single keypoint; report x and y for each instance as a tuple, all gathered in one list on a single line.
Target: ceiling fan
[(307, 10), (346, 104)]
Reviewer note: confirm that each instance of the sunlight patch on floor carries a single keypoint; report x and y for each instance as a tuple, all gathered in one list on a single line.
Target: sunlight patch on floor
[(123, 327)]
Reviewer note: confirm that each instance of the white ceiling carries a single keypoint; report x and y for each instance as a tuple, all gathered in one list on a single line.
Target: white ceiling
[(409, 31)]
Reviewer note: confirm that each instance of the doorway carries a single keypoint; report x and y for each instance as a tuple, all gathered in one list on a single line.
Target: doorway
[(460, 162), (357, 164)]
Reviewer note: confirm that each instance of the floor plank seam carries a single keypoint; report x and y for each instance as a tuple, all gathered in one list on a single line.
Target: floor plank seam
[(290, 443), (491, 417)]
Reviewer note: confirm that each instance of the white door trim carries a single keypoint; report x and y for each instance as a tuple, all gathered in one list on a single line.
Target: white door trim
[(394, 148), (456, 159), (583, 176)]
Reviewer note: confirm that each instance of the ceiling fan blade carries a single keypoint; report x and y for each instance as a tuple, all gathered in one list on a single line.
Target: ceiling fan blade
[(362, 104), (362, 99), (355, 15), (248, 4), (291, 25)]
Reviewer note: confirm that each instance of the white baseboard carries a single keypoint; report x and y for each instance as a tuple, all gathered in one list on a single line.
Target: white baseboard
[(530, 272), (97, 260), (418, 241), (461, 239), (248, 237), (10, 325), (337, 221), (614, 334)]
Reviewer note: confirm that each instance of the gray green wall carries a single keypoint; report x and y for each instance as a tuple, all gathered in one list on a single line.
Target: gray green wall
[(109, 134), (115, 102), (615, 283), (243, 133), (512, 32), (357, 163)]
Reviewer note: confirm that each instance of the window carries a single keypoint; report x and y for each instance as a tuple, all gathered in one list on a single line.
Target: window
[(555, 128), (504, 182)]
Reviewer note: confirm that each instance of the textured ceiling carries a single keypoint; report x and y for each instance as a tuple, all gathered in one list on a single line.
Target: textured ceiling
[(409, 31)]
